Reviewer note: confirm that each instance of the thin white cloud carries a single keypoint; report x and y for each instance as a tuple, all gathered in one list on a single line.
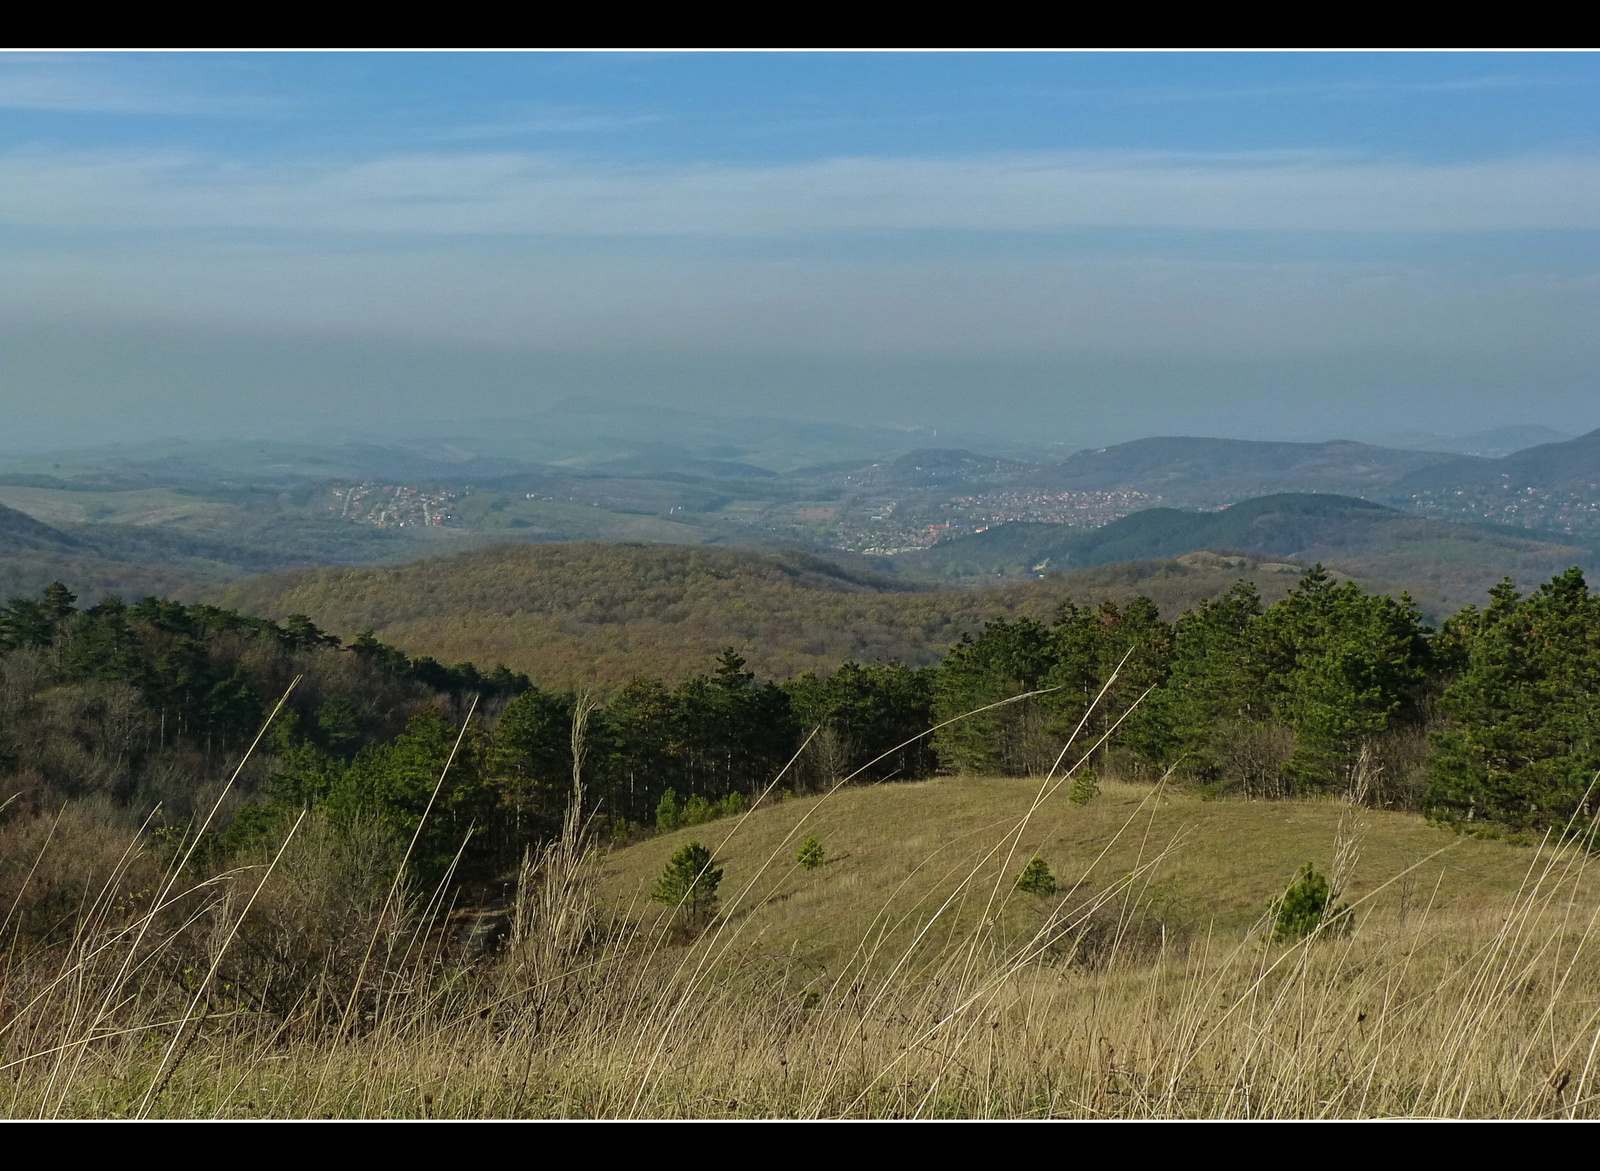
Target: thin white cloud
[(78, 84), (554, 121), (530, 194), (1332, 90)]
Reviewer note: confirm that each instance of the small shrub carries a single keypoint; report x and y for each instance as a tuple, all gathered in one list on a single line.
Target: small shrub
[(1084, 789), (698, 811), (733, 805), (811, 854), (668, 815), (1308, 905), (690, 883), (1036, 879)]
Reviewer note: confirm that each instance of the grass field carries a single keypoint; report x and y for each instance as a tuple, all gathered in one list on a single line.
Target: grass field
[(902, 978), (901, 847)]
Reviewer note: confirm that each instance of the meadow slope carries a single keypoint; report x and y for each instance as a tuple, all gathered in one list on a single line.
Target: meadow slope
[(896, 851)]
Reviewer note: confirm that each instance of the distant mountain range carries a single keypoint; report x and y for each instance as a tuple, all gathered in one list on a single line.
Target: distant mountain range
[(1201, 472), (1554, 487), (1445, 564), (193, 514)]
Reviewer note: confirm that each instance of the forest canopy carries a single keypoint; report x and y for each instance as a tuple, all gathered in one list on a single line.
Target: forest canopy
[(1487, 722)]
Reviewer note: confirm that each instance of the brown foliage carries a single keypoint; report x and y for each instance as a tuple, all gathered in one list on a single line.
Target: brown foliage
[(575, 615)]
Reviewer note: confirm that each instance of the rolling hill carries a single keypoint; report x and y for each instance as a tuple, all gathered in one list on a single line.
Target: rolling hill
[(1443, 564), (1554, 487), (1207, 472), (33, 554), (586, 614)]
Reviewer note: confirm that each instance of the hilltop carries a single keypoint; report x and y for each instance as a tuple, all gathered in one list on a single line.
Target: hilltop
[(33, 553), (1444, 564)]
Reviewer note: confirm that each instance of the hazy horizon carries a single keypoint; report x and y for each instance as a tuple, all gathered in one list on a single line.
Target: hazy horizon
[(1067, 249)]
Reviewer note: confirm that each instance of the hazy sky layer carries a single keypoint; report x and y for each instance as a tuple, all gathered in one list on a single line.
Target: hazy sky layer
[(1076, 248)]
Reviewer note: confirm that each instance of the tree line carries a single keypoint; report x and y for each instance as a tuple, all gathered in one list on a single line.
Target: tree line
[(1489, 721)]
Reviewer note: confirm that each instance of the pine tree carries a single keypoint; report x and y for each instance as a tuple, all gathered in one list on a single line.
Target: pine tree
[(1215, 676), (811, 854), (690, 883), (1524, 745), (1036, 879), (668, 815), (1339, 665), (58, 600), (1308, 905)]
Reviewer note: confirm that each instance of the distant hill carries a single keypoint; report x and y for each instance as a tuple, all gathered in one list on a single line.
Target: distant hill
[(110, 559), (21, 534), (1445, 565), (1184, 470), (1554, 487), (586, 614)]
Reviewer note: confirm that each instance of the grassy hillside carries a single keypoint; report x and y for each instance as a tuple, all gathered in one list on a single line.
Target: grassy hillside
[(599, 614), (901, 848), (1445, 565)]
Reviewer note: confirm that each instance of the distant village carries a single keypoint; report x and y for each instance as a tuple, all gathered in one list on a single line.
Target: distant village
[(394, 505)]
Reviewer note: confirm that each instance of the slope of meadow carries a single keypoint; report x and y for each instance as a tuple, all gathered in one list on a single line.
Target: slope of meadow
[(896, 851), (902, 978)]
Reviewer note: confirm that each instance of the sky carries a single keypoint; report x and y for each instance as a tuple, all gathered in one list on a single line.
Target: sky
[(1073, 248)]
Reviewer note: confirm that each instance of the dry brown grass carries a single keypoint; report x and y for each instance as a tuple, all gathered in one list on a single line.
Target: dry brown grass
[(905, 978)]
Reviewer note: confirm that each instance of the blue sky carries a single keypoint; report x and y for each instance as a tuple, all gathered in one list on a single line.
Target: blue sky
[(1083, 247)]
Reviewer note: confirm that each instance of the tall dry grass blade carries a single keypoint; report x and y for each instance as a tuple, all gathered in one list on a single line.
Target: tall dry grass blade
[(701, 965), (400, 871), (164, 1071)]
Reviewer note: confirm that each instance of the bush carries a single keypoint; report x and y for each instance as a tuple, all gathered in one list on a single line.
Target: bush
[(1309, 905), (1036, 879), (811, 854), (1084, 789), (668, 816), (690, 883)]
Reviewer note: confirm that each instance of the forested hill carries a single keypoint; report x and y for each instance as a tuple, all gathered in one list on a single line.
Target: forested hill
[(589, 613), (1444, 564), (1189, 470), (1573, 465), (1553, 488), (33, 553)]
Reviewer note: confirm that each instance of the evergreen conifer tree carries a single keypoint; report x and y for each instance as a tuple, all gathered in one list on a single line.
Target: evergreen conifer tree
[(811, 854), (690, 883), (1036, 879)]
